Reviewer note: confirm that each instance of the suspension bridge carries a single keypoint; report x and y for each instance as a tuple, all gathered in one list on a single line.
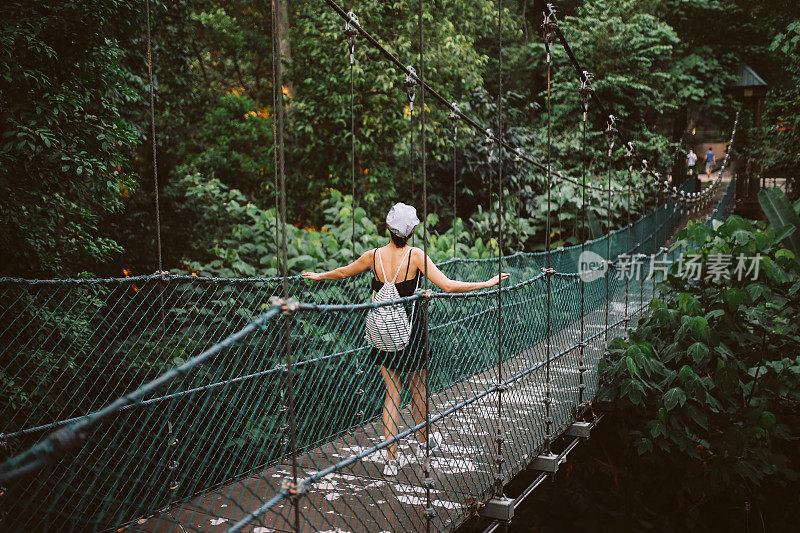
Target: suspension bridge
[(179, 403)]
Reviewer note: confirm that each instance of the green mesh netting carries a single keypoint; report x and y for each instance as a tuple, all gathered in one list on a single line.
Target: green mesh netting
[(212, 447)]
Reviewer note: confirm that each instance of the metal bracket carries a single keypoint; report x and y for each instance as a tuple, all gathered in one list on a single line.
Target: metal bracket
[(455, 111), (547, 462), (411, 84), (579, 429), (351, 31), (288, 307), (585, 91), (498, 509), (293, 489)]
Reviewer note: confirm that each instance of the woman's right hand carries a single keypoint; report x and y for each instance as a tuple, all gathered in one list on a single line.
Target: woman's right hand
[(496, 280)]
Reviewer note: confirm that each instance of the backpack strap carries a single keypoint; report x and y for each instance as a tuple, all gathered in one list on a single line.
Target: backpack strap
[(381, 262), (400, 267)]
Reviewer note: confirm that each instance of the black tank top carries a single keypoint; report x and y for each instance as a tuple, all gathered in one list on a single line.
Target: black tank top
[(404, 288)]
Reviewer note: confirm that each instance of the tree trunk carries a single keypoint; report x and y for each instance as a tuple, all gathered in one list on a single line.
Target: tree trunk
[(284, 46)]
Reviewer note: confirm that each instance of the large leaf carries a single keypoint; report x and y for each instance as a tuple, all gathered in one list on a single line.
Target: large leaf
[(781, 214), (594, 224)]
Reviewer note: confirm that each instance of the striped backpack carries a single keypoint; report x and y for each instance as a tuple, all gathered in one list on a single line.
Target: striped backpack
[(388, 327)]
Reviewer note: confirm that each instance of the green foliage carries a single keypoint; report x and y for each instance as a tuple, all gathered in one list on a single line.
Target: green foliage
[(631, 54), (236, 140), (319, 103), (247, 242), (64, 148), (782, 217), (708, 384), (213, 75), (780, 143)]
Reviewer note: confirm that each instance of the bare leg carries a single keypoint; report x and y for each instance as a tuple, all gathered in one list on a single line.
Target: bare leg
[(391, 408), (418, 407)]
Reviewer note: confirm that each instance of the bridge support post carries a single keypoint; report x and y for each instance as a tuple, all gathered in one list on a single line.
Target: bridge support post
[(547, 462), (498, 509), (579, 429)]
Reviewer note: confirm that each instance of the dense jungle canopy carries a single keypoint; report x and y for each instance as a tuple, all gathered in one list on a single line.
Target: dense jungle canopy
[(76, 176)]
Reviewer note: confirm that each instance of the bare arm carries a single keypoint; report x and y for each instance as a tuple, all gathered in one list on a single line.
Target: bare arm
[(445, 283), (356, 267)]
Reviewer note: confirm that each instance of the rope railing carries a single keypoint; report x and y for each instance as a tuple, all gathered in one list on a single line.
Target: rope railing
[(460, 352), (281, 426)]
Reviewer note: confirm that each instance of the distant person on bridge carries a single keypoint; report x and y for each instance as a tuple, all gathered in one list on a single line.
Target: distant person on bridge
[(711, 160), (691, 160), (410, 361)]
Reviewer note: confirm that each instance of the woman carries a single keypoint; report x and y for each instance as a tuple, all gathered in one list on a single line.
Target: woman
[(394, 260)]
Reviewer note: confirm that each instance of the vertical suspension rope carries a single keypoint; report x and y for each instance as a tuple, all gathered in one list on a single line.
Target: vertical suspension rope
[(277, 68), (411, 92), (655, 232), (641, 254), (548, 27), (585, 96), (454, 114), (153, 137), (274, 39), (518, 170), (629, 154), (611, 132), (171, 439), (351, 32), (499, 460), (428, 481)]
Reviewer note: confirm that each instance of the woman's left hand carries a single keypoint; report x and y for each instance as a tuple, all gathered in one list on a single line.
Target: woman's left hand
[(312, 276), (496, 280)]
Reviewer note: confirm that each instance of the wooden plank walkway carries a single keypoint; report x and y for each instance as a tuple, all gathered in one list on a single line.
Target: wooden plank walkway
[(358, 498)]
